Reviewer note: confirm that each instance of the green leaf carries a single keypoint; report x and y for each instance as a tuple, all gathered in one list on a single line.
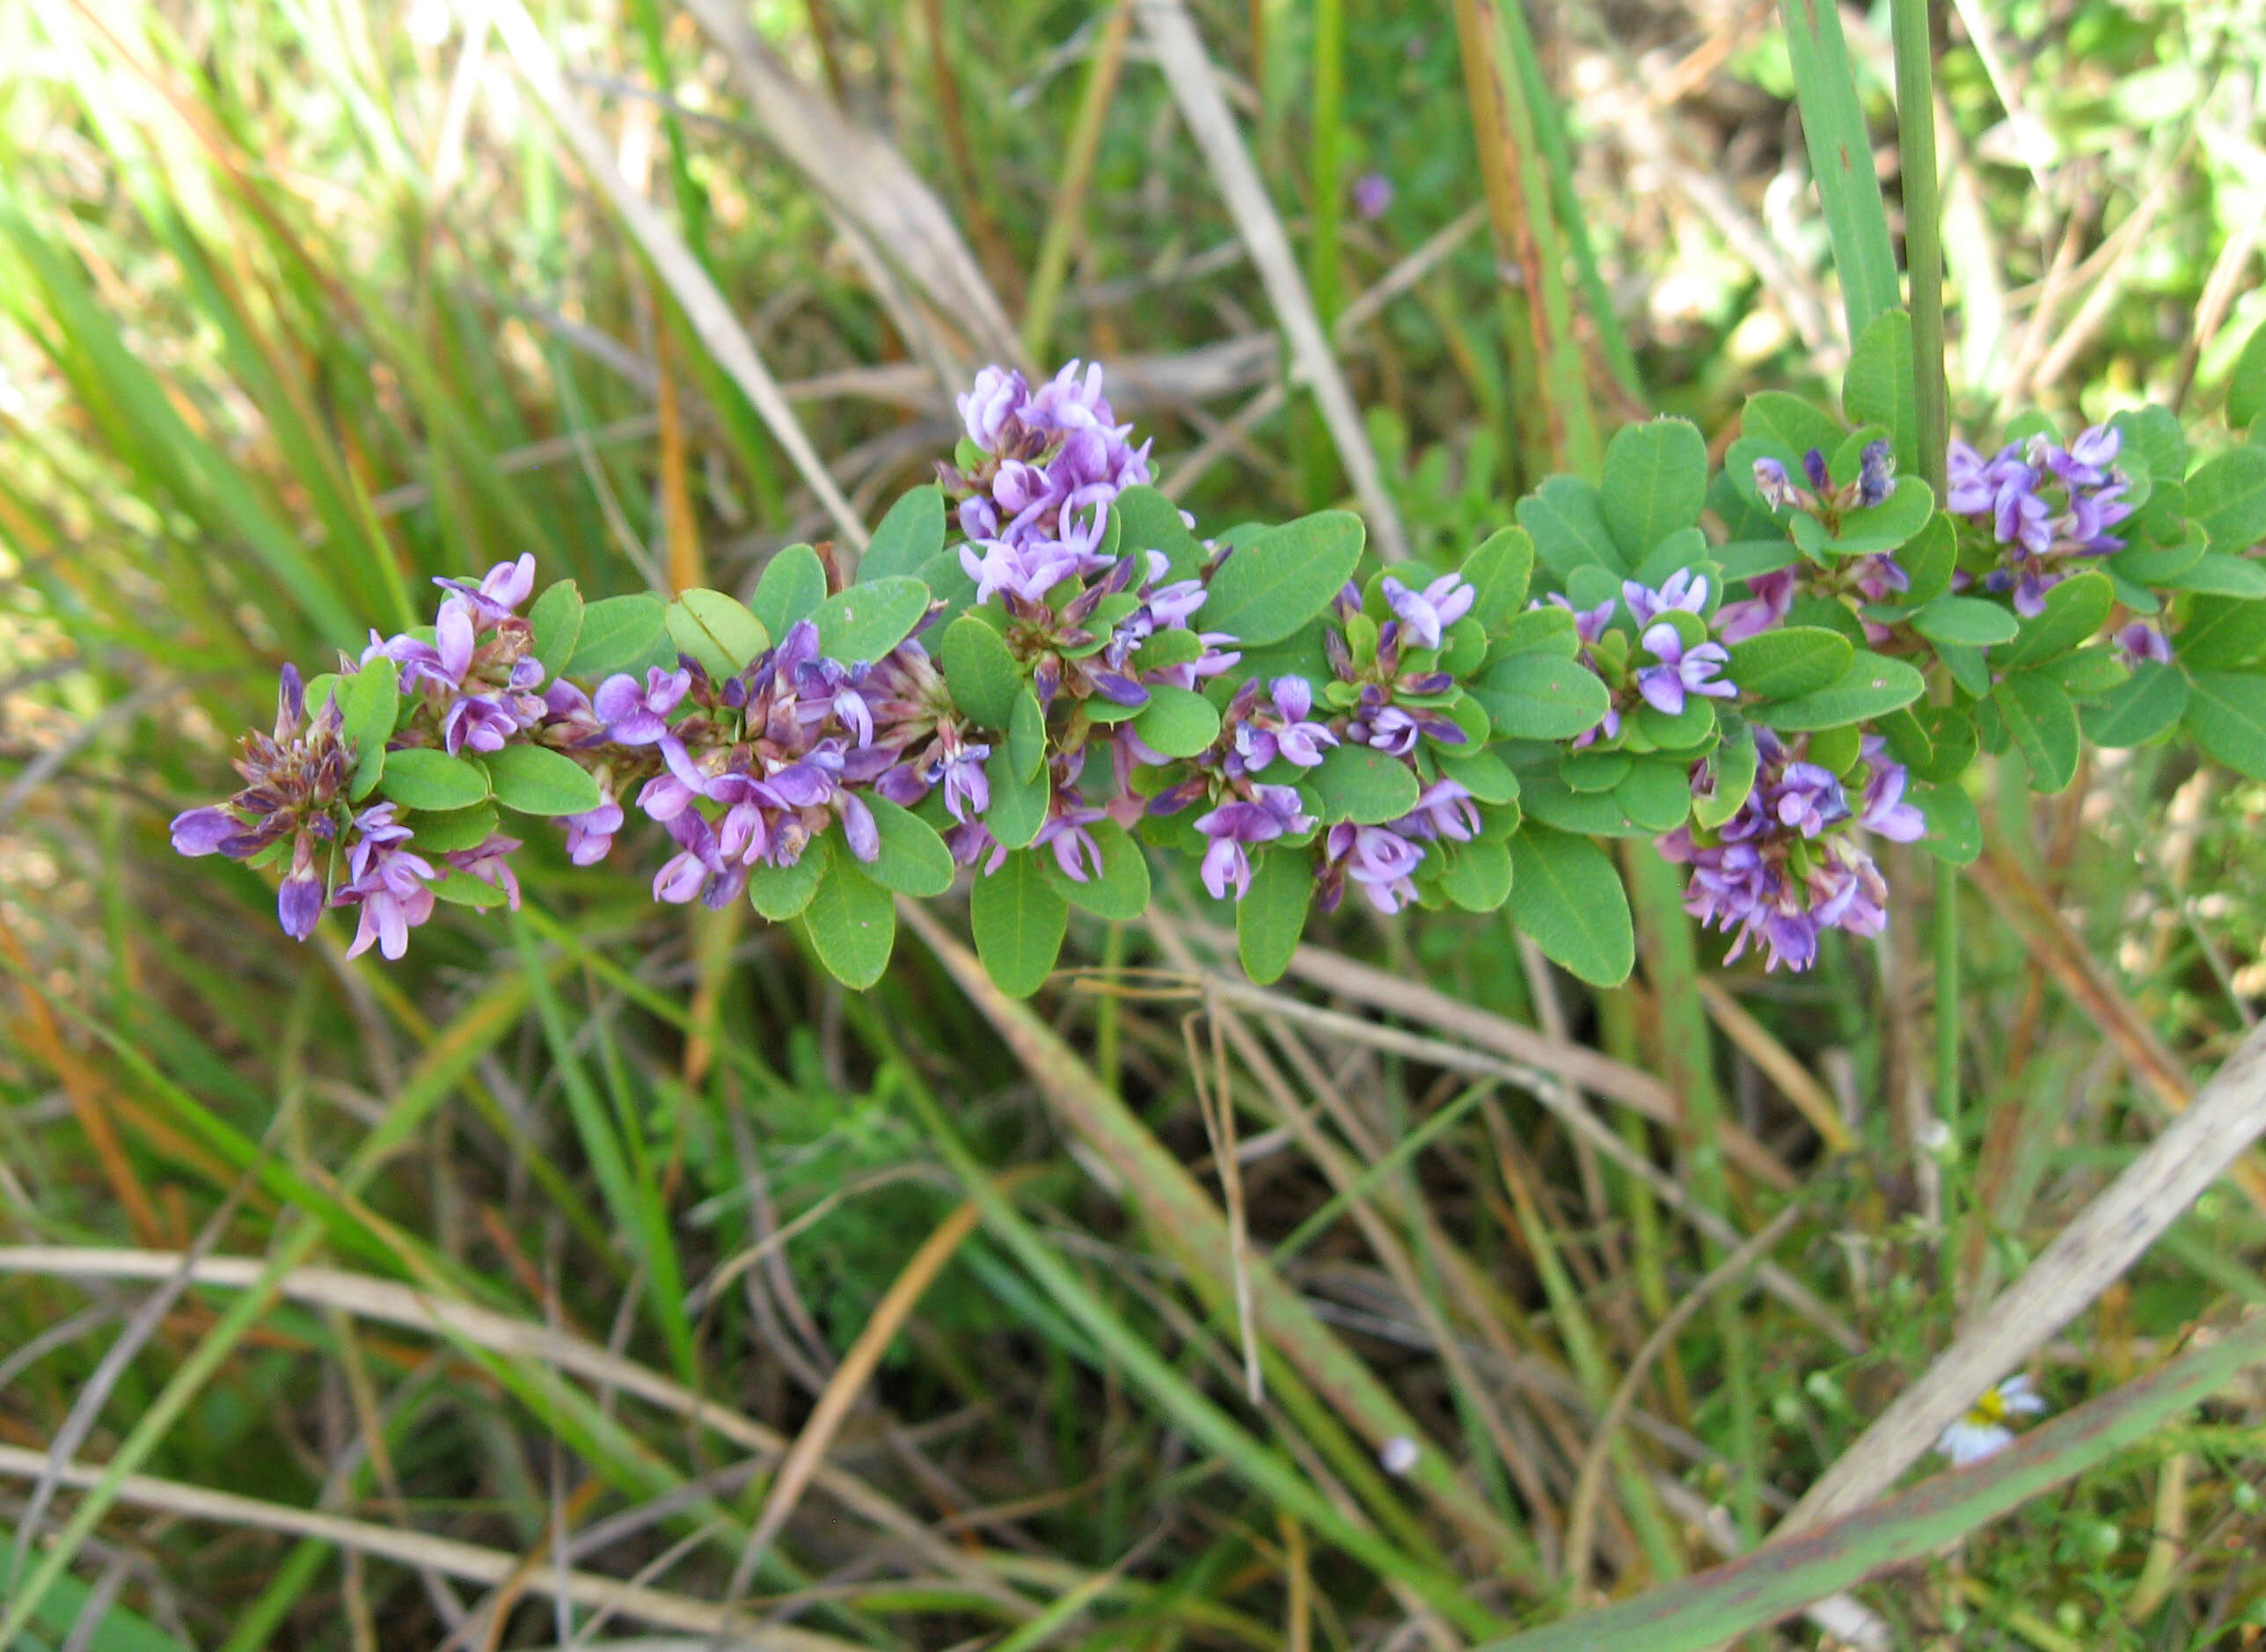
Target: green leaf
[(716, 630), (1019, 801), (2152, 700), (1889, 525), (1878, 388), (422, 777), (1120, 893), (913, 860), (1270, 588), (1655, 794), (617, 634), (1027, 735), (1790, 662), (1564, 893), (369, 702), (981, 672), (1499, 568), (783, 892), (1363, 785), (1928, 559), (451, 829), (792, 586), (536, 780), (1272, 914), (2219, 574), (1954, 831), (1789, 424), (864, 622), (1177, 722), (2154, 433), (852, 924), (557, 621), (1565, 517), (2246, 386), (2074, 612), (1151, 521), (1476, 876), (1481, 773), (1872, 685), (907, 537), (1967, 619), (2043, 725), (1019, 923), (2226, 714), (1732, 770), (459, 889), (2227, 499), (2220, 632), (1540, 697), (1655, 484)]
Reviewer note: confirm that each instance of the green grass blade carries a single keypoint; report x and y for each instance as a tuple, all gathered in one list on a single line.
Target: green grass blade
[(1841, 160)]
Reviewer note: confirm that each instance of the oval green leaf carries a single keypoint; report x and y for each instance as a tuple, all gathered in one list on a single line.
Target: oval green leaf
[(1019, 922), (1270, 588), (852, 924), (422, 777), (536, 780), (864, 622), (1564, 893)]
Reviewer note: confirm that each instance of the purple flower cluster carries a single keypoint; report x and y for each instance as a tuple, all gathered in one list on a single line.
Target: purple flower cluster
[(1662, 670), (1038, 471), (481, 691), (1787, 867), (2044, 505)]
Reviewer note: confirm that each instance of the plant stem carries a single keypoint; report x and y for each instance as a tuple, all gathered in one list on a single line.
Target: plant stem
[(1923, 231)]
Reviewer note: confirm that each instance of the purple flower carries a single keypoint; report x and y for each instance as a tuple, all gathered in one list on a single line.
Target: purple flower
[(1377, 859), (1682, 670), (443, 660), (2136, 642), (482, 722), (1065, 833), (1589, 624), (486, 862), (698, 867), (1022, 569), (1876, 467), (201, 832), (1684, 591), (639, 716), (390, 884), (301, 896), (590, 834), (1373, 194), (503, 589), (1271, 812), (1776, 488), (1445, 809), (1770, 599), (997, 395), (1424, 615), (1807, 798)]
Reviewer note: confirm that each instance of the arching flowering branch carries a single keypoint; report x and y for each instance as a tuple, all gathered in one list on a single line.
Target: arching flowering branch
[(1739, 669)]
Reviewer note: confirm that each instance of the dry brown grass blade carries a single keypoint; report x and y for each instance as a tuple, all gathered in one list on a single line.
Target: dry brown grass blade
[(1793, 1080), (444, 1556), (2086, 1257), (864, 179), (704, 308), (385, 1301), (1188, 68), (849, 1381), (1585, 1069), (2016, 897), (1557, 1099)]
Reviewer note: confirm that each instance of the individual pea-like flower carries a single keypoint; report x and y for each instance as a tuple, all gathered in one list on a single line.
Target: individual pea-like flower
[(1377, 859), (1683, 592), (1769, 599), (1694, 670), (488, 862), (391, 883), (1822, 498), (590, 834), (501, 590), (1261, 734), (1425, 615), (1372, 195), (1983, 1429), (636, 716), (1271, 812), (2140, 643), (1444, 809)]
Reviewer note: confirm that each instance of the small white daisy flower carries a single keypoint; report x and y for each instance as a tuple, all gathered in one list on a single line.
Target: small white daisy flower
[(1983, 1429)]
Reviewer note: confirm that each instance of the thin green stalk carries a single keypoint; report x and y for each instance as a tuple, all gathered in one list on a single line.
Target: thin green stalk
[(1317, 466), (1923, 231), (1069, 194)]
